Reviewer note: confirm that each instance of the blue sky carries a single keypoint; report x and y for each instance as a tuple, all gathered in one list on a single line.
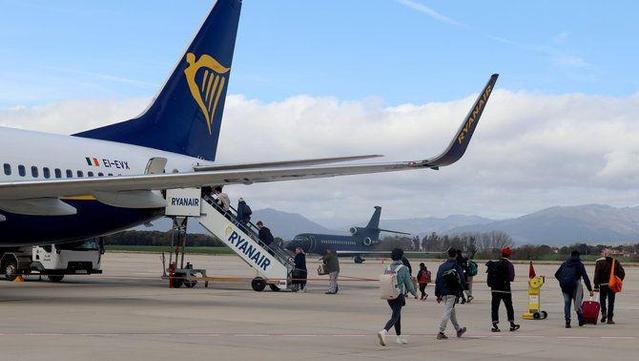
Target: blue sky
[(397, 50)]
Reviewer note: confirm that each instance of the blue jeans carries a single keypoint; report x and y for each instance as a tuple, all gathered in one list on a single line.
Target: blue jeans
[(576, 297)]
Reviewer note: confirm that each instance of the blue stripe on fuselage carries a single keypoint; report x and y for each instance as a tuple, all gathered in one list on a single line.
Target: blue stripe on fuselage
[(92, 220)]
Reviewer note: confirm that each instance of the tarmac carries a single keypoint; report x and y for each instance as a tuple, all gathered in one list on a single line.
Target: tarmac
[(129, 313)]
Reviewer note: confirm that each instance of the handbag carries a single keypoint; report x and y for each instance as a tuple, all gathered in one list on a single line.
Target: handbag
[(614, 283), (321, 270)]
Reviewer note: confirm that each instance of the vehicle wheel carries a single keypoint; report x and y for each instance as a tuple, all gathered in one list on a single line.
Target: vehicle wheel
[(358, 259), (55, 278), (178, 280), (544, 315), (10, 270), (274, 288), (536, 315), (190, 284), (258, 284)]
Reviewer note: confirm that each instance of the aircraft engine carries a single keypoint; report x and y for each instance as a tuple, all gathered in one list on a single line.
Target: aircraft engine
[(367, 242)]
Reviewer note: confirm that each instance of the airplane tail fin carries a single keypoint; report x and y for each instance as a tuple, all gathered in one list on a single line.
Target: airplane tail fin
[(374, 222), (186, 116)]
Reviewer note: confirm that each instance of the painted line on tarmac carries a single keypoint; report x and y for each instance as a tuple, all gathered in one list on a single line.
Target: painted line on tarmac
[(288, 335)]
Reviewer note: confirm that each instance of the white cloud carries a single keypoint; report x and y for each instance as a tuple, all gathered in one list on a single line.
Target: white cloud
[(530, 151), (428, 11)]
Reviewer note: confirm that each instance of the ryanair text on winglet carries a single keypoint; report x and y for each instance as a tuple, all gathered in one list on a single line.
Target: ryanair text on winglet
[(479, 107), (249, 250)]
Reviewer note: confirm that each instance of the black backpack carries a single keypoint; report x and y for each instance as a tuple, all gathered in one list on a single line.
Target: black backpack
[(568, 277), (451, 279), (495, 277)]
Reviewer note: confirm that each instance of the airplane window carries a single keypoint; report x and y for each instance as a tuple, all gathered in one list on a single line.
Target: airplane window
[(34, 172), (21, 170), (100, 174), (69, 173), (80, 174), (46, 172), (58, 173), (89, 174), (110, 174), (7, 169)]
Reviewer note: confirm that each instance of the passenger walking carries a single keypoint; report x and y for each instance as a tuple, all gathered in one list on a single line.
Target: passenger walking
[(423, 278), (448, 288), (462, 262), (402, 284), (500, 274), (406, 263), (331, 263), (570, 274), (603, 269), (222, 198), (300, 272), (243, 212), (264, 234)]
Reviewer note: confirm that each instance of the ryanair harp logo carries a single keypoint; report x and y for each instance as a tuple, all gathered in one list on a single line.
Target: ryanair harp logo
[(206, 86)]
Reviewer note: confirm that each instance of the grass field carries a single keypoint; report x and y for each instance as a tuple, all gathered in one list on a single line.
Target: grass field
[(160, 249)]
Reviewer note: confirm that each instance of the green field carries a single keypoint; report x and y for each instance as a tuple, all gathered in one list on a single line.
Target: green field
[(160, 249)]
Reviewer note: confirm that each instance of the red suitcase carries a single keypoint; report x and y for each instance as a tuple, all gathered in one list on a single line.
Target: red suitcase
[(590, 311)]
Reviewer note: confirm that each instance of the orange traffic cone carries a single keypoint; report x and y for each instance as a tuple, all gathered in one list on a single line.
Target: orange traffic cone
[(19, 278)]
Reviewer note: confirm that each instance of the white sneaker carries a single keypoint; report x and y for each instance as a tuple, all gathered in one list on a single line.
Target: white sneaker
[(401, 340), (381, 335)]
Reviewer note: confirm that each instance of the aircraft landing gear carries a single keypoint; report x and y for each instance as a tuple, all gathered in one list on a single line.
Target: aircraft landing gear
[(358, 259)]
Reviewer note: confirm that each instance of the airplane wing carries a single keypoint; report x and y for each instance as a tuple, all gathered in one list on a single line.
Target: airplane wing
[(115, 189), (281, 164), (384, 253)]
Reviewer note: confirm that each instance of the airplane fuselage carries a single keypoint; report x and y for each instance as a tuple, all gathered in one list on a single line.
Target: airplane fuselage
[(33, 156)]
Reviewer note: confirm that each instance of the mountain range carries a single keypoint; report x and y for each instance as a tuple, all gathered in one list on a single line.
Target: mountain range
[(552, 226)]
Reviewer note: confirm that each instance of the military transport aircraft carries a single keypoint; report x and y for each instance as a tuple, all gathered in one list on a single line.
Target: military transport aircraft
[(361, 242), (58, 188)]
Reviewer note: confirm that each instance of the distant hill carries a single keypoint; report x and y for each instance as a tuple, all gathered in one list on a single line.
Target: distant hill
[(565, 225), (422, 226)]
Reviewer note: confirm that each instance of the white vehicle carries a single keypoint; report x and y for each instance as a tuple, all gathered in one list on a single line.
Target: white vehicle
[(53, 260)]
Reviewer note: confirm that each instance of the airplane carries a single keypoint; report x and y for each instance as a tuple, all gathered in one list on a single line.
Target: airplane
[(361, 242), (64, 188)]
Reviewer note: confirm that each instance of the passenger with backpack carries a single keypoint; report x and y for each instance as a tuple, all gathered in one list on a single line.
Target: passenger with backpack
[(500, 274), (569, 275), (448, 289), (607, 268), (393, 284), (423, 278), (470, 270), (244, 212)]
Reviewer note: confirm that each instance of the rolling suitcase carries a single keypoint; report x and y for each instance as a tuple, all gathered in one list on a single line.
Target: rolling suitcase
[(591, 311)]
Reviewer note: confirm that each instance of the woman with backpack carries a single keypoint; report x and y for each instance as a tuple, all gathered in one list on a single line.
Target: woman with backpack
[(396, 274), (423, 278)]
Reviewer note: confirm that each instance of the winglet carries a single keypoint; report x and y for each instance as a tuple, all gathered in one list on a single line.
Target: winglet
[(459, 144)]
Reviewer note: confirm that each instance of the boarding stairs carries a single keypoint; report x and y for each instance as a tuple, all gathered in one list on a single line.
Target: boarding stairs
[(272, 264)]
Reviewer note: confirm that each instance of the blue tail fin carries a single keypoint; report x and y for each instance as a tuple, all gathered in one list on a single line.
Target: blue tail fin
[(186, 116)]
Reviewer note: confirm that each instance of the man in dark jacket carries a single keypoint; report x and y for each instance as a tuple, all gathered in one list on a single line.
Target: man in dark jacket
[(300, 272), (570, 274), (243, 212), (501, 291), (331, 262), (448, 287), (265, 234), (602, 276)]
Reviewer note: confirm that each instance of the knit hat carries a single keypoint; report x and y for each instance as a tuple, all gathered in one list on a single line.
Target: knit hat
[(506, 252)]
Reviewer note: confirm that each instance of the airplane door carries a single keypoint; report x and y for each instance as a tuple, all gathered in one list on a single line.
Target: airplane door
[(312, 244)]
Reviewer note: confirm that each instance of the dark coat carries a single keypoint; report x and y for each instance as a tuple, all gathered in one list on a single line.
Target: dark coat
[(243, 212), (406, 263), (602, 271), (441, 289), (266, 236), (575, 267), (332, 262), (505, 267), (300, 261)]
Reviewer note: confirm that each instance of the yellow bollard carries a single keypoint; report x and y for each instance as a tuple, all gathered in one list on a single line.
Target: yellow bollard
[(534, 299)]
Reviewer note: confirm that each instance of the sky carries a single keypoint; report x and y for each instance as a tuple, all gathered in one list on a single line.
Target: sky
[(322, 78)]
